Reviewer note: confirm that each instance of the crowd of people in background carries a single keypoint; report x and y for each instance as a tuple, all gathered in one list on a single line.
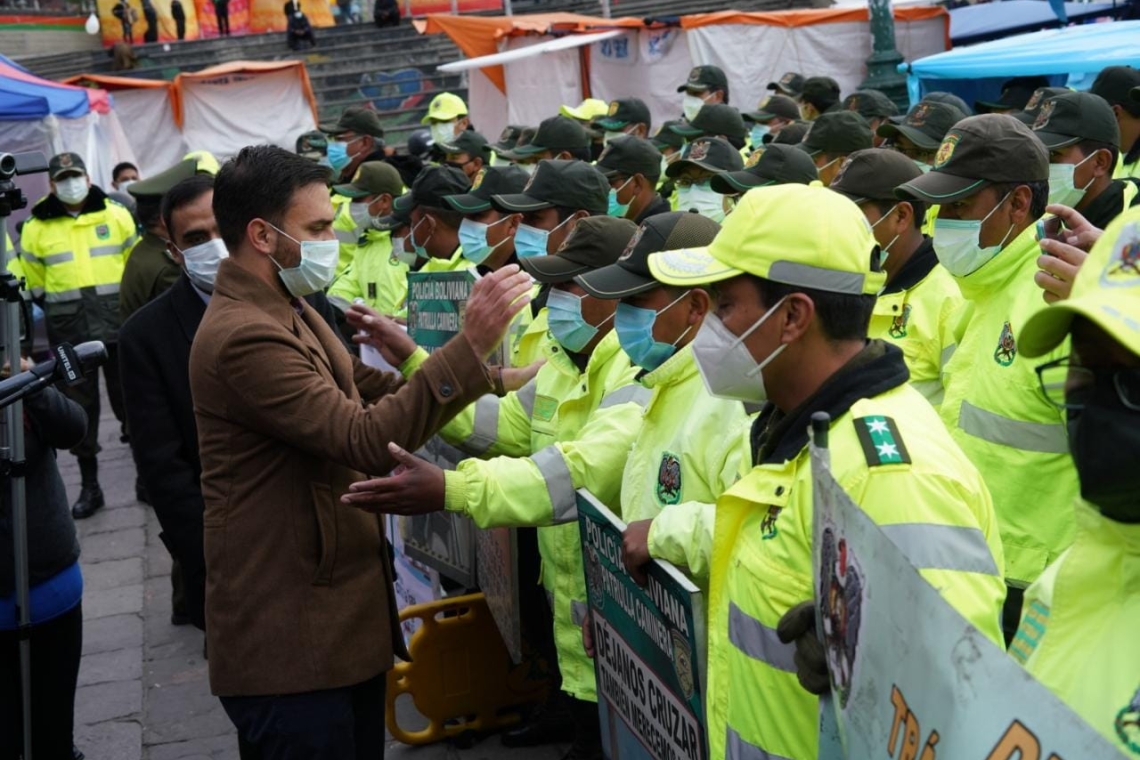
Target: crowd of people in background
[(956, 285)]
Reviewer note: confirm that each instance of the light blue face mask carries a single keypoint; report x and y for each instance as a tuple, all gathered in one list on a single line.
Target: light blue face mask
[(473, 240), (634, 326), (420, 250), (337, 155), (617, 209), (756, 135), (567, 325), (317, 267), (531, 241)]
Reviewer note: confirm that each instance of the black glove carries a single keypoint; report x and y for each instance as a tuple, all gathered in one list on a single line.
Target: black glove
[(798, 625)]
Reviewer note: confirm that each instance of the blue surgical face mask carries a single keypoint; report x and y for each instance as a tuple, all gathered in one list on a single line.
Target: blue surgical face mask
[(317, 267), (567, 325), (201, 262), (957, 243), (615, 208), (337, 155), (756, 135), (420, 250), (634, 326), (531, 241), (473, 240)]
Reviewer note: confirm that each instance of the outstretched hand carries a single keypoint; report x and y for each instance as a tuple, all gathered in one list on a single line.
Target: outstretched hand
[(492, 305), (382, 333), (415, 487)]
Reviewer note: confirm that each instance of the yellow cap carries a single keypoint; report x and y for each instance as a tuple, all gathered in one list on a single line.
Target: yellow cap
[(798, 235), (1106, 292), (206, 163), (445, 107), (590, 109)]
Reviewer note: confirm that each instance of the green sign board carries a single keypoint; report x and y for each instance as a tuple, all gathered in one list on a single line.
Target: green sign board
[(649, 648), (436, 303)]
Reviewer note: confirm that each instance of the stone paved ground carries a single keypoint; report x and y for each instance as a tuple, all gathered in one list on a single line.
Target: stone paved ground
[(143, 688)]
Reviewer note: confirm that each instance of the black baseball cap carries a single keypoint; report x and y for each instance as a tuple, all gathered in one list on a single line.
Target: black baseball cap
[(775, 165), (671, 231), (836, 133), (567, 184), (1115, 84), (792, 83), (629, 155), (65, 163), (713, 120), (1028, 115), (624, 112), (1070, 117), (372, 178), (468, 141), (159, 184), (556, 134), (312, 145), (1015, 93), (792, 134), (508, 138), (494, 180), (821, 92), (873, 175), (666, 137), (595, 242), (435, 183), (976, 152), (871, 104), (714, 154), (925, 125), (362, 121), (400, 216), (774, 106), (705, 78)]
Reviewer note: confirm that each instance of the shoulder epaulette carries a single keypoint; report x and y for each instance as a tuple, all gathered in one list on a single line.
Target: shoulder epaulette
[(881, 441)]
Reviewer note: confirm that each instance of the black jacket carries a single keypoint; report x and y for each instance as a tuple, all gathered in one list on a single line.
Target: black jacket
[(51, 421), (154, 358)]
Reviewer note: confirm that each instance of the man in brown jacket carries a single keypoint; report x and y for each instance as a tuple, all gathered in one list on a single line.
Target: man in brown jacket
[(300, 616)]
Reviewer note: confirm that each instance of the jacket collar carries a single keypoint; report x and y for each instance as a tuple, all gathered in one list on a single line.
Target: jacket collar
[(914, 271), (563, 360), (1106, 206), (673, 371), (238, 284), (995, 275), (778, 437), (188, 306), (52, 207)]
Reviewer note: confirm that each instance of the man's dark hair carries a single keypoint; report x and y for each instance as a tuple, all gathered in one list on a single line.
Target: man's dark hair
[(183, 194), (1038, 199), (725, 91), (842, 317), (919, 207), (450, 217), (148, 211), (582, 154), (120, 167), (1088, 147), (259, 183)]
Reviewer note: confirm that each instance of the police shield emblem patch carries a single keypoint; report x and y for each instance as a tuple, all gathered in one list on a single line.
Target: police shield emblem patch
[(103, 232), (898, 326), (1006, 350), (682, 662), (842, 590), (699, 150), (669, 479), (1127, 724), (946, 150), (768, 529), (1044, 114), (1123, 268)]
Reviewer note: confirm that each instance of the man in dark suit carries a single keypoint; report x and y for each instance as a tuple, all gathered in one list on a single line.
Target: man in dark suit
[(155, 359)]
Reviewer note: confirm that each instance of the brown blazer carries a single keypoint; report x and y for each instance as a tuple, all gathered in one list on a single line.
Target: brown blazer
[(298, 587)]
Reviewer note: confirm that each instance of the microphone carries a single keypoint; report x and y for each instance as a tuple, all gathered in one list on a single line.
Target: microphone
[(67, 365)]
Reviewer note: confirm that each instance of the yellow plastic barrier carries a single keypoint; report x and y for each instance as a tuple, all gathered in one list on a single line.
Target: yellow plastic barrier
[(461, 677)]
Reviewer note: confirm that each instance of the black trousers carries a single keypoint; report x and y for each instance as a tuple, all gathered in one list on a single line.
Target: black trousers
[(86, 394), (336, 724), (222, 12), (56, 648)]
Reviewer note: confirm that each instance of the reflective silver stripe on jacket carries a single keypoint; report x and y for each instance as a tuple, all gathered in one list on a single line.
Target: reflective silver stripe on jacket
[(62, 296), (37, 292), (347, 236), (526, 396), (943, 547), (931, 390), (58, 258), (626, 394), (578, 611), (559, 485), (947, 352), (105, 250), (340, 302), (736, 748), (758, 641), (129, 242), (486, 428), (1027, 436), (109, 289)]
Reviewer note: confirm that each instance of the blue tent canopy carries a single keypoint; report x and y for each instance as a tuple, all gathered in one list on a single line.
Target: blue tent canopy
[(1072, 55), (993, 18), (24, 96)]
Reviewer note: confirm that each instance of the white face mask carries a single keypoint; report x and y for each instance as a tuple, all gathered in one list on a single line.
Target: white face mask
[(405, 257), (958, 246), (443, 131), (359, 214), (316, 269), (884, 251), (201, 262), (701, 197), (125, 184), (1062, 188), (73, 190), (691, 105), (725, 363)]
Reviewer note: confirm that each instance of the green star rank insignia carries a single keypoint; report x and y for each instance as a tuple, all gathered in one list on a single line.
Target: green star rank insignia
[(881, 441)]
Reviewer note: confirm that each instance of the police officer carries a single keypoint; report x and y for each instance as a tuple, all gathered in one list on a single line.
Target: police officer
[(819, 95), (685, 454), (920, 133), (434, 232), (558, 137), (921, 304), (75, 245), (790, 84), (1116, 84), (706, 85), (568, 428), (795, 291), (468, 153), (487, 235), (773, 114), (703, 159), (627, 116), (357, 136), (834, 136), (991, 179), (1080, 615), (633, 168), (715, 120), (555, 200), (446, 117), (874, 106), (775, 165)]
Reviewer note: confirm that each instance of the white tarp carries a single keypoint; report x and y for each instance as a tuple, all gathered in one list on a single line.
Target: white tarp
[(755, 54), (488, 105), (537, 87), (223, 114), (650, 66), (156, 139)]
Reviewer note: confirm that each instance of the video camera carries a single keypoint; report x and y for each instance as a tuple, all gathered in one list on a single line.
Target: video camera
[(11, 165)]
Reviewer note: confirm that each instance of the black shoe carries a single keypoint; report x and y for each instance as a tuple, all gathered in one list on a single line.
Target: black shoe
[(140, 492), (587, 731), (90, 501), (179, 619), (551, 723)]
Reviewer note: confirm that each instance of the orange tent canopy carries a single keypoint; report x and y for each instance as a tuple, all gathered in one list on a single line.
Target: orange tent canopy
[(242, 67)]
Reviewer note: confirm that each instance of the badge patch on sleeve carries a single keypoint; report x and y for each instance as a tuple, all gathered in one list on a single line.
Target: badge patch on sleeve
[(881, 441)]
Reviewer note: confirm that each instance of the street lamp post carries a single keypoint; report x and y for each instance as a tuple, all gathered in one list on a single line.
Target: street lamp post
[(882, 66)]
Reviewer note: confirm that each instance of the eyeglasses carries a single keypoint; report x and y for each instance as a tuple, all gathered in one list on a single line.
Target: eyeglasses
[(1059, 378)]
